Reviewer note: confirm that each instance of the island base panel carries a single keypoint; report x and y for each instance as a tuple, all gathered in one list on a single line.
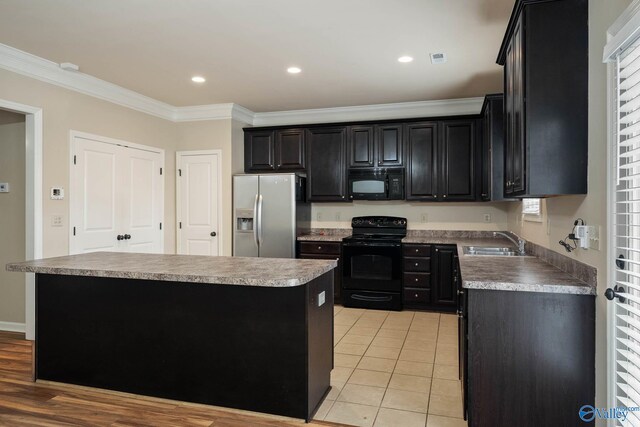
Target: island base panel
[(262, 349)]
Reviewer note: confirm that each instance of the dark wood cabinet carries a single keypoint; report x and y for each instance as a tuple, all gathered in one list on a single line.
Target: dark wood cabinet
[(259, 150), (545, 59), (442, 160), (376, 146), (389, 143), (326, 164), (458, 160), (271, 151), (422, 161), (290, 150), (492, 164), (361, 150), (530, 357), (325, 250), (430, 277)]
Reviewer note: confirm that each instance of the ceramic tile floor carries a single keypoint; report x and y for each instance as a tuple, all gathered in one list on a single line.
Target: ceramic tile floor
[(394, 369)]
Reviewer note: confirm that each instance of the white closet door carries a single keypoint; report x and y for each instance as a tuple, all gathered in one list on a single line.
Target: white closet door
[(95, 209), (198, 203), (142, 210), (116, 197)]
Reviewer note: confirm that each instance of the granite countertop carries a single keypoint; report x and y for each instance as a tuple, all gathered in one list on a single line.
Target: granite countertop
[(518, 273), (335, 236), (267, 272)]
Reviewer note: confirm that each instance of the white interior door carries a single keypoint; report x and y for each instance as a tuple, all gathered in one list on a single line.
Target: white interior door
[(198, 202), (116, 196)]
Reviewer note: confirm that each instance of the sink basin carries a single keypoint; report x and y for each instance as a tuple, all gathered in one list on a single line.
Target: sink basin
[(490, 251)]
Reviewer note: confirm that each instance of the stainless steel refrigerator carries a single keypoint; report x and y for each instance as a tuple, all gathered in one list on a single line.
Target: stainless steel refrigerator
[(269, 212)]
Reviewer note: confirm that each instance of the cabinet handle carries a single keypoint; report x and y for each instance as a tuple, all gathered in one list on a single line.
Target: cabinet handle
[(416, 279), (437, 250), (416, 264), (484, 194), (435, 196), (319, 247), (343, 197), (444, 197), (416, 295), (417, 250)]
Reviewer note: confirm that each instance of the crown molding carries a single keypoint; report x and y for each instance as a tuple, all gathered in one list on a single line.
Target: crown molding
[(29, 65), (47, 71), (403, 110)]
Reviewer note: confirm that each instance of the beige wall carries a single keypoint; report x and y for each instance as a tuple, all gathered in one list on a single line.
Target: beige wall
[(560, 212), (65, 110), (12, 215), (440, 216)]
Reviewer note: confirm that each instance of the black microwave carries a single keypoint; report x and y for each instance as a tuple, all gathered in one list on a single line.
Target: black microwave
[(376, 184)]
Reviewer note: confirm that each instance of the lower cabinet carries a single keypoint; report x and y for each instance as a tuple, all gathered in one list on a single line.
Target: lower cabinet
[(527, 358), (324, 250), (430, 277)]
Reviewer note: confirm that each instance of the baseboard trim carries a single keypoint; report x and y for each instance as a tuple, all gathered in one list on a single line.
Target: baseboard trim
[(13, 327)]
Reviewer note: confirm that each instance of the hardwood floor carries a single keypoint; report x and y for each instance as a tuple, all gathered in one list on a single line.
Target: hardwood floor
[(25, 403)]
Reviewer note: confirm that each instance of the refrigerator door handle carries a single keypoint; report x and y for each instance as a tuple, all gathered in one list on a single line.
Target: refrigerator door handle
[(260, 219), (255, 221)]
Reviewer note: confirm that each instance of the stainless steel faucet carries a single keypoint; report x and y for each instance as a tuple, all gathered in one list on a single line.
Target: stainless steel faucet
[(520, 243)]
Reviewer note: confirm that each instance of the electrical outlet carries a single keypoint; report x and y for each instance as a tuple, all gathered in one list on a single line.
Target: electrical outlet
[(319, 216), (548, 226), (424, 218), (56, 221), (487, 217), (594, 238), (338, 216), (57, 193)]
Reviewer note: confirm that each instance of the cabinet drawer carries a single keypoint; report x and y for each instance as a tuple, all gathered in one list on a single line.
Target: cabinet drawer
[(417, 280), (417, 264), (416, 250), (417, 295), (332, 248)]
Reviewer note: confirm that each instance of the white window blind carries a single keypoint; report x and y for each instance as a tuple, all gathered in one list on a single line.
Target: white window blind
[(626, 229), (531, 206)]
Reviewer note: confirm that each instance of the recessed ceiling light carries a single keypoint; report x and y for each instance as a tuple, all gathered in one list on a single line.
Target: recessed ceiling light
[(198, 79), (405, 59), (293, 70)]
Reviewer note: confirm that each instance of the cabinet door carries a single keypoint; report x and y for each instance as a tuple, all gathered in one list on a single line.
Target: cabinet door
[(458, 160), (289, 149), (389, 145), (361, 153), (443, 276), (508, 120), (259, 148), (422, 142), (326, 164), (485, 184), (519, 139)]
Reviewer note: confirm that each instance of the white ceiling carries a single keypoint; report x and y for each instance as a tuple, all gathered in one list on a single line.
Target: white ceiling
[(347, 49)]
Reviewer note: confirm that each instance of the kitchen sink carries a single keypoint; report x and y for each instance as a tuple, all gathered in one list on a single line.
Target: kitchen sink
[(490, 251)]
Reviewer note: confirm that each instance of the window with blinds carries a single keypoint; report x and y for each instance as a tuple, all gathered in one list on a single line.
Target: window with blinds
[(626, 229)]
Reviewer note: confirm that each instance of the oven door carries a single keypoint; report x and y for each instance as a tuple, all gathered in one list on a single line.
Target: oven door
[(372, 266)]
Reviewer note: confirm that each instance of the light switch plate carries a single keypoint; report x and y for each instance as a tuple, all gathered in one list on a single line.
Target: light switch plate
[(56, 221), (4, 187), (487, 217)]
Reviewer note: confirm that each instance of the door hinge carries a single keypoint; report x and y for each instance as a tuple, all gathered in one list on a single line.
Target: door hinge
[(75, 159), (160, 171), (179, 172), (74, 231), (160, 226), (180, 224)]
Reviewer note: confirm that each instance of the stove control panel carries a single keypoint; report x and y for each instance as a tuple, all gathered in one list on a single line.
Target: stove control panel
[(379, 222)]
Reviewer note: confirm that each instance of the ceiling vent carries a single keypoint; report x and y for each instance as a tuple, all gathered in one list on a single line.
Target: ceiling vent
[(438, 58)]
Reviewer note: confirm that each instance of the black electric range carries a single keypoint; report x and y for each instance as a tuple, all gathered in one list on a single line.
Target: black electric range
[(372, 263)]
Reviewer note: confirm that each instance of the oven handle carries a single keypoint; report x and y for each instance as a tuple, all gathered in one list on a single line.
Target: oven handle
[(374, 245), (367, 298)]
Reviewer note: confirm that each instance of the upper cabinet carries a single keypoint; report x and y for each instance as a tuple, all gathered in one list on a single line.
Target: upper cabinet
[(271, 151), (373, 146), (442, 160), (545, 59), (326, 164), (492, 181)]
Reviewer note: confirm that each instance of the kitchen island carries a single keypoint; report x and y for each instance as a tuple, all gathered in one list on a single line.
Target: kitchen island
[(247, 333)]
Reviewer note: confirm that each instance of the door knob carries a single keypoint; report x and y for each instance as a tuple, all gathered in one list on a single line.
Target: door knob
[(120, 237), (127, 236), (213, 234)]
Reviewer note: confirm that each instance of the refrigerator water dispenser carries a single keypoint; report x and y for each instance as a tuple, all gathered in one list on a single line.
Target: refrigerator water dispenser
[(244, 220)]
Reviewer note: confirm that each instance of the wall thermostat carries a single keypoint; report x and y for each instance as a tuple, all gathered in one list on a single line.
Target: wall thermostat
[(4, 187), (57, 193)]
